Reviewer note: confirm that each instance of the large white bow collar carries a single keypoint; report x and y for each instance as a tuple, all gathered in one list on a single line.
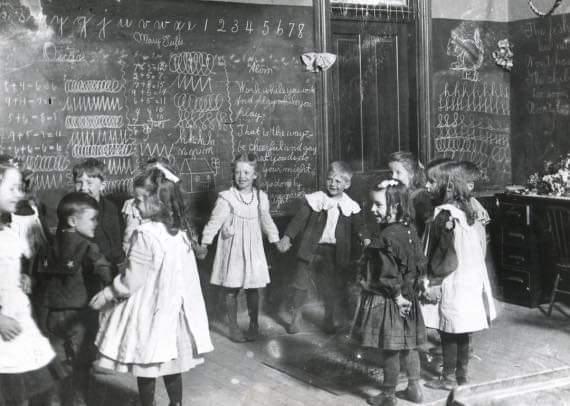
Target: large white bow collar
[(319, 201)]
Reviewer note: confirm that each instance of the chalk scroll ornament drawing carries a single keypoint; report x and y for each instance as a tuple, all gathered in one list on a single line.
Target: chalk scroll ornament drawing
[(468, 52)]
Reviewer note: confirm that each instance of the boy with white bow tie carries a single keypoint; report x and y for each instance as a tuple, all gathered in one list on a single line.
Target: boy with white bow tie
[(325, 225)]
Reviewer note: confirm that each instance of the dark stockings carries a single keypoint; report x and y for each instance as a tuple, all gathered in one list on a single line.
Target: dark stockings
[(252, 297), (173, 385), (455, 355)]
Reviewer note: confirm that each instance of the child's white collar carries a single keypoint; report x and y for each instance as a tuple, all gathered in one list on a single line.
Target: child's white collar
[(319, 201)]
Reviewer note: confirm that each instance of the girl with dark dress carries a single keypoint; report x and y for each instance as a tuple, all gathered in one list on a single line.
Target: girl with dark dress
[(407, 169), (388, 316)]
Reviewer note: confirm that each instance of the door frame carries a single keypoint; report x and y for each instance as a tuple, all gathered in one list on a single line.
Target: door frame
[(324, 119)]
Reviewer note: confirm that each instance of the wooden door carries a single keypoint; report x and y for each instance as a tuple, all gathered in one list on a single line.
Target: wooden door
[(373, 81)]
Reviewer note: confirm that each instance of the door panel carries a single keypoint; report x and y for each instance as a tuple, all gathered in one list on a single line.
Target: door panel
[(373, 81)]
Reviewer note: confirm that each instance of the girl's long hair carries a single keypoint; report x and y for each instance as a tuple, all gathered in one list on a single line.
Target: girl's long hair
[(166, 203), (398, 197), (412, 165), (452, 187)]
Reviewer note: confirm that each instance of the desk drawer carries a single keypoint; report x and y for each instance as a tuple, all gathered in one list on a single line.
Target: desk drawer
[(517, 257), (517, 236), (516, 287), (515, 215)]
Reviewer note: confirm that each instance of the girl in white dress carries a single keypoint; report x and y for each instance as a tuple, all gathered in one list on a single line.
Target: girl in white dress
[(241, 213), (458, 279), (27, 361), (153, 321)]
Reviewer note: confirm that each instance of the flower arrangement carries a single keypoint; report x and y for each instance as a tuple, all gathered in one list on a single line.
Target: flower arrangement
[(503, 55), (554, 180)]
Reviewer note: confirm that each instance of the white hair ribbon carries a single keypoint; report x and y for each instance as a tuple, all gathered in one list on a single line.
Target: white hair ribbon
[(167, 173), (388, 182)]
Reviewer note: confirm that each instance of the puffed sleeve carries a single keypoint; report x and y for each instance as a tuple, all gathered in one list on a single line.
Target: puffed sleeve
[(139, 264), (219, 216), (267, 224), (442, 258), (131, 222)]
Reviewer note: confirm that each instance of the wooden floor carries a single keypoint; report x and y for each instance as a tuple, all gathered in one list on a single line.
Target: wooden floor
[(314, 369)]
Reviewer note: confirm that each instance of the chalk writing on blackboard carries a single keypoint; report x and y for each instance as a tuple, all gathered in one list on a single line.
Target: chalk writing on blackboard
[(473, 124), (194, 89)]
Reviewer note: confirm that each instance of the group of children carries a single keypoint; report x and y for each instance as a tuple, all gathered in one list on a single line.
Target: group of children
[(132, 301)]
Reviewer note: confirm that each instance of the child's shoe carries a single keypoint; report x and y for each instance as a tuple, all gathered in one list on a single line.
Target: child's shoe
[(253, 331), (236, 335), (328, 325), (329, 328), (295, 325), (414, 392), (442, 383), (461, 381), (383, 399)]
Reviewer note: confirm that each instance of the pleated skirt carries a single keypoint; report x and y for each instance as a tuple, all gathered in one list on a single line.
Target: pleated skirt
[(378, 324)]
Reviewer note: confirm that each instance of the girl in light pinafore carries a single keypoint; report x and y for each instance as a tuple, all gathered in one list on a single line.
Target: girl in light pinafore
[(27, 361), (241, 213), (458, 279), (154, 321)]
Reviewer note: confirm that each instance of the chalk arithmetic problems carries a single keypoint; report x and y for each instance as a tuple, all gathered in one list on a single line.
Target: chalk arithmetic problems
[(196, 88)]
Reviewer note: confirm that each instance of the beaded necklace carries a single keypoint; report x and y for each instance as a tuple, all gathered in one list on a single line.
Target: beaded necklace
[(243, 200)]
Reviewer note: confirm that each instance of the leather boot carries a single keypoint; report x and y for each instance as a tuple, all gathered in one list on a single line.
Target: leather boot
[(414, 392), (296, 307), (383, 399), (328, 324), (235, 333)]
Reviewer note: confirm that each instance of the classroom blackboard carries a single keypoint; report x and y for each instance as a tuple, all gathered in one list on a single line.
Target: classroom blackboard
[(471, 100), (195, 82), (541, 89)]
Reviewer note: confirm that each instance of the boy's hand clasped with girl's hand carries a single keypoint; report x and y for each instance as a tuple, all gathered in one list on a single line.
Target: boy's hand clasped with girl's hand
[(9, 328)]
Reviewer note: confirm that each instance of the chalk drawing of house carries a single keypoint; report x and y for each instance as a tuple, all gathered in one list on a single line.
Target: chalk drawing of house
[(197, 175)]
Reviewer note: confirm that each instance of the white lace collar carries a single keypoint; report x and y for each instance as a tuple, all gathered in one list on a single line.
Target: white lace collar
[(319, 201)]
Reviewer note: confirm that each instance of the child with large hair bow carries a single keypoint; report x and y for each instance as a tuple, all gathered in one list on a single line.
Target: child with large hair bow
[(153, 320)]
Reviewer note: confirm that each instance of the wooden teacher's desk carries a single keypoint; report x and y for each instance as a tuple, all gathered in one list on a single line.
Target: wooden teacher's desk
[(523, 244)]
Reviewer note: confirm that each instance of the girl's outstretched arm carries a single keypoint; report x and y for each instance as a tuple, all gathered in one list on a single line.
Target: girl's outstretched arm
[(139, 264), (219, 216), (267, 224)]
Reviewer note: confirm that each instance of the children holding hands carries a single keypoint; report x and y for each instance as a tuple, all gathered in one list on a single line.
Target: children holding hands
[(77, 272), (153, 317), (326, 226), (240, 215)]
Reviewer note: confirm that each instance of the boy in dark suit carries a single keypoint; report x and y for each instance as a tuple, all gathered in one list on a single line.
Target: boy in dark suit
[(325, 226), (77, 271)]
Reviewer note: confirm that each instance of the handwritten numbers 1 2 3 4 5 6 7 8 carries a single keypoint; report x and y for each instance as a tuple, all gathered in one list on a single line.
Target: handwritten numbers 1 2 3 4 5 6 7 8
[(280, 28)]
